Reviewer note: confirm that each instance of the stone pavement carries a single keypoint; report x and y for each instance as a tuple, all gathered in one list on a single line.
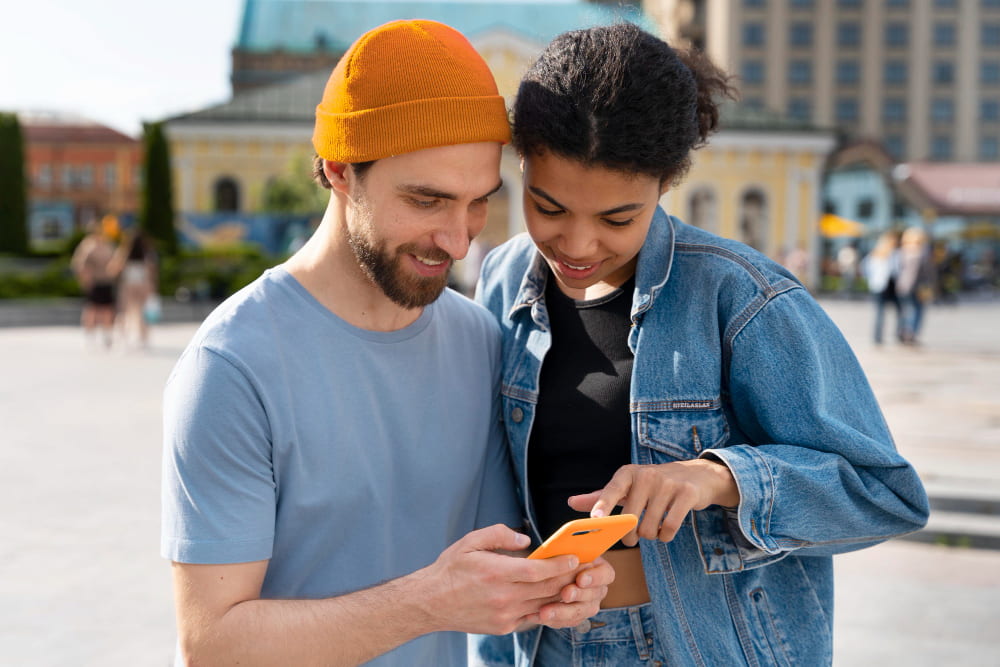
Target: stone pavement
[(81, 582)]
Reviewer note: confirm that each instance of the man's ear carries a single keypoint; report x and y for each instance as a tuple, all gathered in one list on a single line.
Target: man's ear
[(336, 174)]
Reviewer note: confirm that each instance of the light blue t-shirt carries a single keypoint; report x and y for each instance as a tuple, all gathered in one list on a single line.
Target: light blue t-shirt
[(345, 456)]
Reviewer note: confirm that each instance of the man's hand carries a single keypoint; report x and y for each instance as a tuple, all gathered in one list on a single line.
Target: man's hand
[(662, 495), (472, 588), (581, 599)]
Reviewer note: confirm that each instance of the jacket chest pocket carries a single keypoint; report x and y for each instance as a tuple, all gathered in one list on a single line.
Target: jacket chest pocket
[(679, 434)]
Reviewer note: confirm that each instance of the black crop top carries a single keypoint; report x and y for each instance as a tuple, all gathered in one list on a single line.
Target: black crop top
[(581, 433)]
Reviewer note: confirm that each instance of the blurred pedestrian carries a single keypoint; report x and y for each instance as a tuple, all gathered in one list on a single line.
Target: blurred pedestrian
[(881, 270), (92, 264), (915, 285), (847, 268), (135, 264)]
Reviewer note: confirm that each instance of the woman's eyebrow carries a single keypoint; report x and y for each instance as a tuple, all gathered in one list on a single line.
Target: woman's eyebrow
[(635, 206)]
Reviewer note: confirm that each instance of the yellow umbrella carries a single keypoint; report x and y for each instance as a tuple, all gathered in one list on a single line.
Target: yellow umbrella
[(832, 226)]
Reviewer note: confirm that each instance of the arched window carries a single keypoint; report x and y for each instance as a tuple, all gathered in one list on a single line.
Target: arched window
[(227, 195), (703, 210), (754, 219)]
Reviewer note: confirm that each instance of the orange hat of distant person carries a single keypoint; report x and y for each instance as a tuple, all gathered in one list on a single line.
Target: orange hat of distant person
[(404, 86)]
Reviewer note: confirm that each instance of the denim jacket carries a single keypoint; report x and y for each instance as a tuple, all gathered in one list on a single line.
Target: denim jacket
[(734, 360)]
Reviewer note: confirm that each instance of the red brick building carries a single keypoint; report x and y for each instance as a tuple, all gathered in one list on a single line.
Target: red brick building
[(77, 171)]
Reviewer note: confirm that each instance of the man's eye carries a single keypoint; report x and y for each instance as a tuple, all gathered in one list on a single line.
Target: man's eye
[(422, 203)]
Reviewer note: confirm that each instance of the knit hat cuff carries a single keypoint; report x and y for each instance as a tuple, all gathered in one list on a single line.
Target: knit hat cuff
[(371, 134)]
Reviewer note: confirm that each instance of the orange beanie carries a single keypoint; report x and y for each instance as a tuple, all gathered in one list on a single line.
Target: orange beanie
[(405, 86)]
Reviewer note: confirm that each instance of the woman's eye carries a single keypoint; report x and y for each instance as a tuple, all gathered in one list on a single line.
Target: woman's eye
[(548, 211), (619, 223)]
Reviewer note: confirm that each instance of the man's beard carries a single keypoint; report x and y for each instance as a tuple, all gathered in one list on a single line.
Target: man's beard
[(387, 272)]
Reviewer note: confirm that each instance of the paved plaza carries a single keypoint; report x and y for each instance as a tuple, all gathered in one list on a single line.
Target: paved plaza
[(81, 582)]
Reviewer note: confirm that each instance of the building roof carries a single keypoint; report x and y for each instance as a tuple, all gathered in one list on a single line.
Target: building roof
[(292, 101), (953, 187), (306, 25), (44, 127), (735, 116)]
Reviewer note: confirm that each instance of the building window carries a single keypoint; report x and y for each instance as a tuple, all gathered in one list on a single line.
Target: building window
[(68, 177), (894, 110), (989, 110), (898, 3), (227, 194), (848, 72), (991, 34), (989, 72), (848, 4), (799, 108), (803, 4), (753, 72), (944, 71), (847, 110), (801, 34), (944, 34), (942, 110), (991, 4), (945, 4), (753, 34), (895, 72), (85, 176), (753, 219), (897, 34), (703, 210), (754, 3), (894, 145), (110, 176), (865, 208), (800, 72), (848, 33), (753, 103), (941, 147), (989, 148), (44, 177)]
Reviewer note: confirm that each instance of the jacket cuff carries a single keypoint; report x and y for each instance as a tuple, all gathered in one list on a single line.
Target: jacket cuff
[(734, 539)]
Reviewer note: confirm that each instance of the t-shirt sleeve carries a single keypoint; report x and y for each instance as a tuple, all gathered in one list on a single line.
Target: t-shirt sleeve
[(218, 492)]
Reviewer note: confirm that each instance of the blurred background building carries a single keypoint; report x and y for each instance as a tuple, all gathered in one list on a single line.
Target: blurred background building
[(856, 116)]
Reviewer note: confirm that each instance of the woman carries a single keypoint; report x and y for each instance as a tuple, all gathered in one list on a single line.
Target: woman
[(881, 269), (136, 265), (684, 377)]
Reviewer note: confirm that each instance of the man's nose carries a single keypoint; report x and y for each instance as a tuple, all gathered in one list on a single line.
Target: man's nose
[(455, 235)]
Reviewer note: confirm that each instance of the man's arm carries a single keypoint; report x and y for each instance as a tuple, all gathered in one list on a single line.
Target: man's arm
[(469, 588)]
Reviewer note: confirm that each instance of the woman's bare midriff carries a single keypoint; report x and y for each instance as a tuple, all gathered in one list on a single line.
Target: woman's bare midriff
[(629, 587)]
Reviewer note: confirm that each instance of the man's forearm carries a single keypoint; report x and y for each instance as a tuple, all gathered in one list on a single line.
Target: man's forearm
[(344, 630)]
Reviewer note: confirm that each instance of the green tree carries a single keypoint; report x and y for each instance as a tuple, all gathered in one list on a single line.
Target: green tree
[(156, 213), (13, 187), (294, 191)]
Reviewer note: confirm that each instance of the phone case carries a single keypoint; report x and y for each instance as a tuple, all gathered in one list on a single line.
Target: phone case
[(587, 538)]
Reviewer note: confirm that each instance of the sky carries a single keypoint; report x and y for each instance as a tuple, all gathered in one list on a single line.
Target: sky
[(118, 62)]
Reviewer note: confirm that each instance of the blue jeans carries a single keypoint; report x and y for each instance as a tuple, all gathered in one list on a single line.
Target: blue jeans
[(622, 636)]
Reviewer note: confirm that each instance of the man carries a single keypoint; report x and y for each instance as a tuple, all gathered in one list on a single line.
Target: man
[(334, 427), (92, 266)]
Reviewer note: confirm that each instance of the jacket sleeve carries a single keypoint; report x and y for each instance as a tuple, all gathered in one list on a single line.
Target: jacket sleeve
[(821, 473)]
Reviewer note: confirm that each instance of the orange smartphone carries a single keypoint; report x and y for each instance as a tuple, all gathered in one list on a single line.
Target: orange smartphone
[(586, 538)]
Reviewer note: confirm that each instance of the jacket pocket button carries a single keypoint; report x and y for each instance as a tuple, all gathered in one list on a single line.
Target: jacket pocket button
[(517, 414)]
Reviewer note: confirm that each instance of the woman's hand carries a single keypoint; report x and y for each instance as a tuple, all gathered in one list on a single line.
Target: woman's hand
[(661, 495)]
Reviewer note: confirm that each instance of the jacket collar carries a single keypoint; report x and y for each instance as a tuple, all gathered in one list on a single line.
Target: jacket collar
[(652, 271)]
